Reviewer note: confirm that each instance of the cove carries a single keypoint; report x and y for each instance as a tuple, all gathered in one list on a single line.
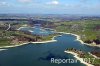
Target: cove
[(41, 54)]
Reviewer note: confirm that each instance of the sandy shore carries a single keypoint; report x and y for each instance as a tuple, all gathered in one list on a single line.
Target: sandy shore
[(13, 45), (53, 40), (78, 58), (30, 42), (22, 27), (79, 39), (94, 55), (2, 49)]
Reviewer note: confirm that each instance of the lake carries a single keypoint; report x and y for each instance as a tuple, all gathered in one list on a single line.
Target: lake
[(38, 30), (41, 54)]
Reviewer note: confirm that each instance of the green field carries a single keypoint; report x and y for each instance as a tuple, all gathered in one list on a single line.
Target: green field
[(88, 30)]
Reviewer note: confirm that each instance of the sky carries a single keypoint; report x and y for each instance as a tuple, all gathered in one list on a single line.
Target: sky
[(50, 6)]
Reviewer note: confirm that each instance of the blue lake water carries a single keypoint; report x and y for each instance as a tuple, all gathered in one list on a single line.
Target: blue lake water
[(37, 30), (41, 54)]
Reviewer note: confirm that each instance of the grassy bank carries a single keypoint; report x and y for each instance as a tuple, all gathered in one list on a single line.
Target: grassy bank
[(88, 30)]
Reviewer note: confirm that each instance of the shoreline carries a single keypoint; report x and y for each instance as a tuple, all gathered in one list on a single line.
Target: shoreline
[(21, 28), (78, 58), (2, 49), (53, 40), (94, 55), (79, 39)]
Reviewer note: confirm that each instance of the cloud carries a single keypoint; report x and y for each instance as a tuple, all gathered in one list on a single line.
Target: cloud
[(53, 2), (25, 1), (4, 4)]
